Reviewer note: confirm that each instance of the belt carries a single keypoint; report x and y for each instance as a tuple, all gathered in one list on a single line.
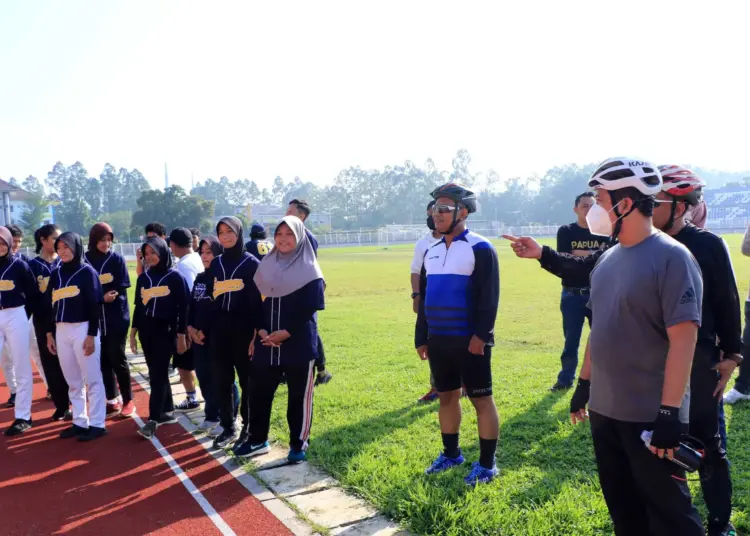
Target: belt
[(579, 291)]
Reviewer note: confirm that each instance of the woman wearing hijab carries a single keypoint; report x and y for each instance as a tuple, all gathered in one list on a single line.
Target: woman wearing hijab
[(291, 282), (199, 315), (18, 292), (42, 266), (115, 280), (73, 299), (159, 320), (237, 310)]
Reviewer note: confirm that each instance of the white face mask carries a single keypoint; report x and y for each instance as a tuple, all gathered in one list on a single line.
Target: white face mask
[(598, 221)]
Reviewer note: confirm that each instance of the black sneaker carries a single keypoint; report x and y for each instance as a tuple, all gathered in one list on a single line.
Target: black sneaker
[(729, 530), (68, 416), (323, 377), (167, 418), (244, 437), (73, 431), (560, 387), (248, 450), (11, 401), (93, 432), (226, 438), (60, 414), (148, 430), (18, 427), (187, 405)]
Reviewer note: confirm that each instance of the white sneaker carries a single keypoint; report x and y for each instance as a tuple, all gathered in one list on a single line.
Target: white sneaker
[(207, 426), (216, 431), (734, 396)]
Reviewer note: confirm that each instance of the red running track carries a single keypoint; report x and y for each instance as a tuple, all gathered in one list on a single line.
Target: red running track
[(117, 485)]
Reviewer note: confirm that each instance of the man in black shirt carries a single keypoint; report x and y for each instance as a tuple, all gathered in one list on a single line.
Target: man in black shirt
[(575, 239)]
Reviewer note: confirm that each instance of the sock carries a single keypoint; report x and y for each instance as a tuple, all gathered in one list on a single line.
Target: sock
[(487, 449), (191, 396), (450, 445), (113, 401)]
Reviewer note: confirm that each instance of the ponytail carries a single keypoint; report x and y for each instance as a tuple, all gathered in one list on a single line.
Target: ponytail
[(45, 231)]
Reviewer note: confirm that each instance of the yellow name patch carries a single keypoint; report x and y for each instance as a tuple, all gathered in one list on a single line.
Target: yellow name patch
[(230, 285), (6, 285), (65, 292), (106, 278), (153, 292), (43, 283)]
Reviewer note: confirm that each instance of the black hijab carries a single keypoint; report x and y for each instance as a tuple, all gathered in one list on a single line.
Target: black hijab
[(213, 243), (162, 250), (74, 242), (235, 225)]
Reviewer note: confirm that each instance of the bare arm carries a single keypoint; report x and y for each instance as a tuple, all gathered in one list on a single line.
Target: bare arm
[(415, 283), (682, 339), (585, 373)]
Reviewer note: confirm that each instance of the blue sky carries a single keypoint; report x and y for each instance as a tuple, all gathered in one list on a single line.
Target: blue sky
[(250, 90)]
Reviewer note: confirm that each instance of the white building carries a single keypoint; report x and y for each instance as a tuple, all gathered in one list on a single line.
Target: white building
[(13, 205)]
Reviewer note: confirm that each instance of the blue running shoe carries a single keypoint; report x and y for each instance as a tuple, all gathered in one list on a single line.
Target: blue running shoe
[(480, 475), (443, 463), (296, 456), (248, 450)]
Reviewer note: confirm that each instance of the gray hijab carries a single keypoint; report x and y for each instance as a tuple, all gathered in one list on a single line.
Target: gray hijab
[(279, 275)]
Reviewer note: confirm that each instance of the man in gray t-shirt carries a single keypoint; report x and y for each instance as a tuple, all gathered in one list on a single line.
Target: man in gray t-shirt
[(646, 295), (637, 293)]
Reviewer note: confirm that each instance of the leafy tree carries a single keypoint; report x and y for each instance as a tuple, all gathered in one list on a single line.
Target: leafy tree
[(120, 222), (70, 185), (173, 207), (36, 203)]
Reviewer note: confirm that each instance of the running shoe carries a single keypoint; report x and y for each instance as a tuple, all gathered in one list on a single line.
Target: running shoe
[(430, 396), (93, 433), (734, 396), (226, 438), (480, 475), (148, 430), (296, 456), (128, 410), (248, 450), (18, 427), (187, 405), (114, 409), (443, 463), (73, 431), (323, 377)]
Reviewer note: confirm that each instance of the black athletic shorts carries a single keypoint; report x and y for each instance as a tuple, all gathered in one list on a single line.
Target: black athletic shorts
[(453, 366), (184, 361)]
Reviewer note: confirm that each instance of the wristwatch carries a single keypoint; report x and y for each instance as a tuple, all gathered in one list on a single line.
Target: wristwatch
[(414, 295), (737, 358)]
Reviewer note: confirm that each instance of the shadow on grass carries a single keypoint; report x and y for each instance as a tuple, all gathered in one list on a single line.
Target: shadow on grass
[(531, 440)]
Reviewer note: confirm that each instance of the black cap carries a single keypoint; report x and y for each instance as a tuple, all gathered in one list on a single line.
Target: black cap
[(182, 237)]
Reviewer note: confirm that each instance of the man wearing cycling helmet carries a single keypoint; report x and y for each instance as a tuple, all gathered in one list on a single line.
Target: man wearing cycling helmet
[(646, 295), (460, 286), (677, 202)]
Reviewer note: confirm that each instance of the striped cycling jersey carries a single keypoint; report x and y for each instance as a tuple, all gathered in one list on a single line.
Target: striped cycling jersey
[(461, 289)]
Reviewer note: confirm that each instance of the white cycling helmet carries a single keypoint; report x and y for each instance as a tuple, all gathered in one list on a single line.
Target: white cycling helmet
[(619, 173)]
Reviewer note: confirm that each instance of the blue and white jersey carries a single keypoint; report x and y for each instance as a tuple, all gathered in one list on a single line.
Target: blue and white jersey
[(461, 289)]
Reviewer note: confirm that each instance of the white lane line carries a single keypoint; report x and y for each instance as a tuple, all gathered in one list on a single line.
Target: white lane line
[(209, 510)]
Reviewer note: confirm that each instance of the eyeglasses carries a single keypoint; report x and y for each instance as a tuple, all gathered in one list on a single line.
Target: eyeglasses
[(443, 209)]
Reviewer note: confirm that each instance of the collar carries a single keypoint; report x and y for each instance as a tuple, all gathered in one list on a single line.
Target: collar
[(459, 238)]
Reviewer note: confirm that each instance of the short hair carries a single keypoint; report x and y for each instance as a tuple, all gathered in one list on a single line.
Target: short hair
[(157, 228), (15, 230), (431, 204), (644, 203), (195, 232), (581, 196), (301, 205)]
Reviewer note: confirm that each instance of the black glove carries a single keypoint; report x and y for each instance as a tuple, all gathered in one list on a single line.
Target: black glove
[(667, 428), (580, 396)]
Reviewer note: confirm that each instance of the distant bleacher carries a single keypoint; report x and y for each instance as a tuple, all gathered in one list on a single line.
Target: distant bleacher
[(728, 208)]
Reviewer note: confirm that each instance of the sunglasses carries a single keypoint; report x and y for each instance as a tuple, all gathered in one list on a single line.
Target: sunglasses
[(443, 209)]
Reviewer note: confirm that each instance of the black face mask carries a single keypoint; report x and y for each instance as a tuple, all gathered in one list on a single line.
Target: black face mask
[(430, 223)]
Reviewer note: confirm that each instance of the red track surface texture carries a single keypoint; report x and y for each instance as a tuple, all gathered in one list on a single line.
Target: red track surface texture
[(117, 485)]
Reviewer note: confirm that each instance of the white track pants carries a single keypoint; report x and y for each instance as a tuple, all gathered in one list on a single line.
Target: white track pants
[(83, 374), (9, 373), (35, 353), (14, 332)]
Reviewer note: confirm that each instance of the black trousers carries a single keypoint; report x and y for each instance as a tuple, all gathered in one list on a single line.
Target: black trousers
[(114, 366), (228, 350), (320, 362), (704, 425), (742, 383), (300, 379), (643, 492), (58, 387), (158, 340)]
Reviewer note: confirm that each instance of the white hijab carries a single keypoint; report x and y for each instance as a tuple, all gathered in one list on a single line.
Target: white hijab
[(281, 274)]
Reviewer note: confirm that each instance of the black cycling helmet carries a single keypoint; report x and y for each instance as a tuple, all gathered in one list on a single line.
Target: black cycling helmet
[(460, 194)]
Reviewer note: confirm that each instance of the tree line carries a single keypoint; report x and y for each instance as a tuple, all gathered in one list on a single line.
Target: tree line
[(357, 198)]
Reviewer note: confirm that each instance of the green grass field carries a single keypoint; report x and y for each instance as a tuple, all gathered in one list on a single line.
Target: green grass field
[(369, 433)]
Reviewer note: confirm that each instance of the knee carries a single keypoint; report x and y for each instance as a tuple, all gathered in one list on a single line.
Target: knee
[(449, 398), (484, 404)]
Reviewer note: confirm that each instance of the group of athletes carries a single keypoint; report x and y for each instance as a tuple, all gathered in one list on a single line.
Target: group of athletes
[(213, 306), (661, 298)]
